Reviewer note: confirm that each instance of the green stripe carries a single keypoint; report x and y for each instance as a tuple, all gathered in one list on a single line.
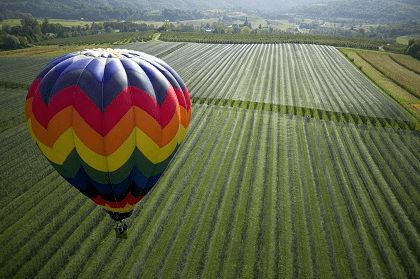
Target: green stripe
[(73, 162)]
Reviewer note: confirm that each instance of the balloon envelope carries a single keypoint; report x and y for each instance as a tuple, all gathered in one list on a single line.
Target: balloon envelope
[(109, 121)]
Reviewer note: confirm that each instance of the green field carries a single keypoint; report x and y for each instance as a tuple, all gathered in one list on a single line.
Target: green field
[(64, 22), (296, 165), (226, 38), (399, 74), (407, 62), (405, 39), (105, 38), (307, 76), (389, 72)]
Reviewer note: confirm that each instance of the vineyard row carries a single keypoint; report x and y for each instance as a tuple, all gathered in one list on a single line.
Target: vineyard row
[(309, 113)]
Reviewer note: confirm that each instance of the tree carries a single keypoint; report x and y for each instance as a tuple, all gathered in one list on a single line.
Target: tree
[(218, 28), (96, 27), (30, 28), (23, 41), (109, 29), (10, 42), (5, 28), (236, 29), (413, 48), (166, 25), (245, 30), (15, 30), (44, 26)]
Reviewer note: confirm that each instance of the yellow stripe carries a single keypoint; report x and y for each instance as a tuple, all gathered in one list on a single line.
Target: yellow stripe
[(182, 131), (68, 140), (61, 149), (125, 209)]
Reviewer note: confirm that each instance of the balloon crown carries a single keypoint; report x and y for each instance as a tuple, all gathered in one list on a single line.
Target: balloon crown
[(110, 52)]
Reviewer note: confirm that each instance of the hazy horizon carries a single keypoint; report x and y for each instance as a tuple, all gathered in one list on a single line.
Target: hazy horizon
[(369, 11)]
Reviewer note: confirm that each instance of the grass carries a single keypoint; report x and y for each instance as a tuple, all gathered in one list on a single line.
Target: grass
[(247, 73), (403, 40), (20, 67), (200, 37), (310, 113), (402, 96), (50, 50), (407, 61), (64, 22), (104, 38), (400, 75)]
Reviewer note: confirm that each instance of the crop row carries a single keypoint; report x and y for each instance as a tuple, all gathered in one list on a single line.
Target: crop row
[(155, 48), (407, 61), (310, 76), (262, 186), (402, 76), (19, 72), (270, 38), (117, 37), (309, 113), (317, 77), (250, 192), (399, 94)]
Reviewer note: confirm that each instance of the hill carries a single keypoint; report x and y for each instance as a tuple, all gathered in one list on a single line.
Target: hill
[(136, 9), (376, 10)]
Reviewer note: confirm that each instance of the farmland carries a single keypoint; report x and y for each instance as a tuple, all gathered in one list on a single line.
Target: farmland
[(287, 74), (123, 37), (408, 100), (407, 61), (19, 70), (296, 165), (402, 76), (271, 38)]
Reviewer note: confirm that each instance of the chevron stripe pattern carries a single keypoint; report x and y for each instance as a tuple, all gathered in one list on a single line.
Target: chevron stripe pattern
[(109, 121)]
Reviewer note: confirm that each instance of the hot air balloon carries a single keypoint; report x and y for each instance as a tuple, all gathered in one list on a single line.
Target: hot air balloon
[(109, 121)]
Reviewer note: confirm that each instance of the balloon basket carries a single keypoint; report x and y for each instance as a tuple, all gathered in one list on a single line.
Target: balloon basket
[(121, 230)]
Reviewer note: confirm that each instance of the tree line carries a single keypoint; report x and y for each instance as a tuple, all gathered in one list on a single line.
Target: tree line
[(31, 31), (413, 48)]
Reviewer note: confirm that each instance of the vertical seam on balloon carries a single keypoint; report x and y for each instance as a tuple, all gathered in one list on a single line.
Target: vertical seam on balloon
[(178, 79), (169, 73), (159, 116), (138, 61), (134, 128), (72, 117), (179, 123), (102, 120), (102, 127), (49, 93), (179, 106)]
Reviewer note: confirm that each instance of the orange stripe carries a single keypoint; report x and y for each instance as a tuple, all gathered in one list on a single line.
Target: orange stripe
[(185, 120), (87, 135), (57, 126), (92, 139), (172, 128), (28, 108), (149, 125)]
